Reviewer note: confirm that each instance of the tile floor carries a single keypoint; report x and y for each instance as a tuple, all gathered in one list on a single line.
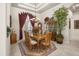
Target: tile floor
[(71, 49)]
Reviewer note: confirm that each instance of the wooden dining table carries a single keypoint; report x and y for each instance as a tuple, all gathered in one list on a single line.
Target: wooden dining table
[(38, 38)]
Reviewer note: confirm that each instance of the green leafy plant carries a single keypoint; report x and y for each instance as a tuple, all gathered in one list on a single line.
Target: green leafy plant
[(61, 17)]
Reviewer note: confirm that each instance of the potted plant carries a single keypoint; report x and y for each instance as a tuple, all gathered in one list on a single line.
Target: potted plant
[(61, 17)]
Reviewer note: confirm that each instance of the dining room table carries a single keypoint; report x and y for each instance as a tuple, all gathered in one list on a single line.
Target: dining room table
[(38, 38)]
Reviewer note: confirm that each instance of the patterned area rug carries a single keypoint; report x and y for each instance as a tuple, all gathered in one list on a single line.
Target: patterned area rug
[(44, 52)]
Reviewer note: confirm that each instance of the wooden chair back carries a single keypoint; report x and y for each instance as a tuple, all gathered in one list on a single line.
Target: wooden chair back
[(27, 39), (48, 37)]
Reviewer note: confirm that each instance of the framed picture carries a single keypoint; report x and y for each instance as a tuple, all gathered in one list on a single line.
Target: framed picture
[(10, 21), (76, 24), (69, 24)]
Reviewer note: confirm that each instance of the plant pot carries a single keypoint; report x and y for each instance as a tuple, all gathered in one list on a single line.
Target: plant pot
[(53, 36), (59, 38), (59, 42)]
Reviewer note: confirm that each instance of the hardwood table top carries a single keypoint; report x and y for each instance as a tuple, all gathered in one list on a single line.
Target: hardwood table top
[(38, 37)]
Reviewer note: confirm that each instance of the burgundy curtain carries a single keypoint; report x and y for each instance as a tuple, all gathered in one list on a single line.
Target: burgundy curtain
[(22, 18)]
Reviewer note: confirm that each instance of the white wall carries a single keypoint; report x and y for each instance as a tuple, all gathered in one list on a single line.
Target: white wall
[(8, 5), (4, 21), (8, 14), (3, 29), (15, 18), (49, 13), (74, 32)]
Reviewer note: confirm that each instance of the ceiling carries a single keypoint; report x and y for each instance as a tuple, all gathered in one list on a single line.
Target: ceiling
[(38, 7), (34, 3), (75, 7)]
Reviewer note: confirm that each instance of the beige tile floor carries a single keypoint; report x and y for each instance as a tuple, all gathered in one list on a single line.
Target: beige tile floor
[(15, 51), (70, 49)]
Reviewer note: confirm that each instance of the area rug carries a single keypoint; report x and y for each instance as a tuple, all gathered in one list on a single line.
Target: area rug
[(25, 52)]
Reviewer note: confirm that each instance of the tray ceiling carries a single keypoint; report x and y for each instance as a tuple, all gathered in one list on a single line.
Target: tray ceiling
[(38, 7)]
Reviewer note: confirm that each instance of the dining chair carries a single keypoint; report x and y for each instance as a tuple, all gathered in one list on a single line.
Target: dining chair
[(46, 41), (29, 42)]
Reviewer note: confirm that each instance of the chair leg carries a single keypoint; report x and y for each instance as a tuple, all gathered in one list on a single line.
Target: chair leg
[(30, 48), (46, 49), (50, 46), (33, 49)]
